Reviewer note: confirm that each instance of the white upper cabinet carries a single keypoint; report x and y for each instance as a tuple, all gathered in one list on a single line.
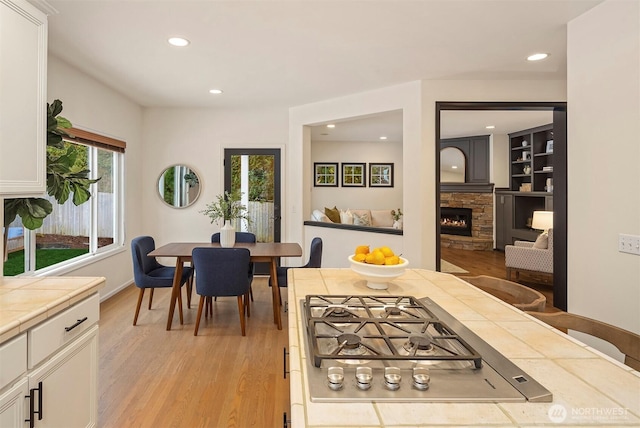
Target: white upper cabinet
[(23, 99)]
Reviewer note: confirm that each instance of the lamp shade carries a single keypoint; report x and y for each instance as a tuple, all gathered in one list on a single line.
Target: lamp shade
[(542, 220)]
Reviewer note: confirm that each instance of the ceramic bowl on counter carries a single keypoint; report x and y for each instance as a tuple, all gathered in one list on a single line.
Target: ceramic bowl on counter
[(378, 276)]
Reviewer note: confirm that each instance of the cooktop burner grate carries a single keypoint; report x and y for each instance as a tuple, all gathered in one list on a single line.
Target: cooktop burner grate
[(389, 328)]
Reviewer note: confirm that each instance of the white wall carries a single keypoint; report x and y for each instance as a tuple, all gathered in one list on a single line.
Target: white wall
[(603, 155), (90, 105), (197, 138), (358, 197), (500, 160)]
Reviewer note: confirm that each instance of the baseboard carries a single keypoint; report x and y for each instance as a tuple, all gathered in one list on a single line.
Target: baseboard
[(115, 291)]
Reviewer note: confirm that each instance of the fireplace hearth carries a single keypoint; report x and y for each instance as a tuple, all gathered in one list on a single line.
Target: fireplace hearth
[(455, 221)]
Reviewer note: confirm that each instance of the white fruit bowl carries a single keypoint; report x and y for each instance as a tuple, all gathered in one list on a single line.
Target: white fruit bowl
[(378, 276)]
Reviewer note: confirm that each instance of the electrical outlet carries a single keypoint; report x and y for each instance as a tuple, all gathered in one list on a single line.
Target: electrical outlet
[(629, 244)]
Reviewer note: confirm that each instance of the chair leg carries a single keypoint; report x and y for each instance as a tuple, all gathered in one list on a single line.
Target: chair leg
[(180, 305), (189, 291), (140, 296), (508, 274), (200, 305), (209, 309), (251, 292), (151, 298), (247, 306), (241, 310)]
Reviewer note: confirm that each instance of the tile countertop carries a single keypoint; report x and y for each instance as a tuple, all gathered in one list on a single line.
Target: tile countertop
[(589, 387), (27, 301)]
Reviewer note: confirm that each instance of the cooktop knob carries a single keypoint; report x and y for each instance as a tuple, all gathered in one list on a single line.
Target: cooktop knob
[(364, 375), (335, 377), (392, 378), (421, 378)]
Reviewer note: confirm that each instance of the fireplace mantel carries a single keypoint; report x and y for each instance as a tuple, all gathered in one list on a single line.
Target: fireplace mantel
[(466, 187)]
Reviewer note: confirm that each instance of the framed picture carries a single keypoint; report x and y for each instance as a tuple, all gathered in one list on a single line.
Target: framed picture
[(354, 175), (549, 146), (325, 174), (380, 175)]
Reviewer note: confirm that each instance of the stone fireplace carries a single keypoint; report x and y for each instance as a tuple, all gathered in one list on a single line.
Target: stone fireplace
[(480, 205)]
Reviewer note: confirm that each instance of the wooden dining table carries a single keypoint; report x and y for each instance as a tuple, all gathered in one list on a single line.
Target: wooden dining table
[(260, 252)]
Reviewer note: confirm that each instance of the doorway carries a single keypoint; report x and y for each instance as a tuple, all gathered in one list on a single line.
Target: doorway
[(255, 173), (559, 110)]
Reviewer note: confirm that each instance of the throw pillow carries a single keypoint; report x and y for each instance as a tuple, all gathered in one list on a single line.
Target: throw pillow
[(318, 215), (346, 217), (333, 214), (361, 220), (542, 242)]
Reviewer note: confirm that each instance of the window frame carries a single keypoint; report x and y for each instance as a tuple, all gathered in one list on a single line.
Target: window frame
[(94, 142)]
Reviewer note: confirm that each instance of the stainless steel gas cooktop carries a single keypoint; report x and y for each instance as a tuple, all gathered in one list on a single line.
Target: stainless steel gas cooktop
[(399, 348)]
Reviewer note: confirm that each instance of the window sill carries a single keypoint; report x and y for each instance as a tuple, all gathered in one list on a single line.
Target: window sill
[(76, 263)]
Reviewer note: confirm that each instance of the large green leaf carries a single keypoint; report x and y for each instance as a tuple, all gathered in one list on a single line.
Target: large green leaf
[(32, 211), (64, 177)]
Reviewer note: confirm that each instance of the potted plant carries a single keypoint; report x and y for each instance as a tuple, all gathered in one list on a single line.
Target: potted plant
[(227, 207), (397, 218)]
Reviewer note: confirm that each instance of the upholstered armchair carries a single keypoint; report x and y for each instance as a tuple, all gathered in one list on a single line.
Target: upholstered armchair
[(530, 256)]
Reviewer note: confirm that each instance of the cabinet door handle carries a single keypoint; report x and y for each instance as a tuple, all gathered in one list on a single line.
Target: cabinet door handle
[(32, 405), (80, 321), (284, 362)]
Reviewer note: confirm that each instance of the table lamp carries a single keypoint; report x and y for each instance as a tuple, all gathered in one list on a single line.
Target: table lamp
[(542, 220)]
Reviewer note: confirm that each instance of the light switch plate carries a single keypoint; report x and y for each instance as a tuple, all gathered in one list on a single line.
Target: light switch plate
[(629, 244)]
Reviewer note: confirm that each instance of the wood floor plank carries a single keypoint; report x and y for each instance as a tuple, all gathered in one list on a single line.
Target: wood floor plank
[(150, 377)]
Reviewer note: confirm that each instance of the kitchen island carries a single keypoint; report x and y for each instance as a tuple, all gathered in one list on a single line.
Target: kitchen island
[(589, 388)]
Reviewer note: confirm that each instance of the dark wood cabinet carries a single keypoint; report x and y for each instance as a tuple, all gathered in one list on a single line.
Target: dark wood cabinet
[(514, 212), (476, 152)]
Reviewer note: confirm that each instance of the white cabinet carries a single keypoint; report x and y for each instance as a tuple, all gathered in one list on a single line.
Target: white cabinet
[(23, 91), (49, 376), (69, 385), (13, 406)]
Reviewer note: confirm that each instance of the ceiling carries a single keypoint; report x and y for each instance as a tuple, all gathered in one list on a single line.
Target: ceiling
[(289, 53)]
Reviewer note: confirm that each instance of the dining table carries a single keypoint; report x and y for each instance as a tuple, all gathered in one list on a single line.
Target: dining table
[(268, 252)]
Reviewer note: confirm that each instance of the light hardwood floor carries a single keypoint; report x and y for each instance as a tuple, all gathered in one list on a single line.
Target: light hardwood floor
[(150, 377)]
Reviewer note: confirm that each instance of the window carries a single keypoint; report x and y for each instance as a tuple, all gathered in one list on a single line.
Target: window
[(71, 232)]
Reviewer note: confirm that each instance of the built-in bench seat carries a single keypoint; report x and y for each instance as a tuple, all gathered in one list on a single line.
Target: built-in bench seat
[(374, 229)]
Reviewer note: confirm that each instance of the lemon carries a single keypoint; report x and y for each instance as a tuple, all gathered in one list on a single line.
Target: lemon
[(392, 260), (362, 249), (378, 257), (359, 257), (388, 252)]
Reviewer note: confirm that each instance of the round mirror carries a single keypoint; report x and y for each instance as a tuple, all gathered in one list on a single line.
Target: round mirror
[(179, 186), (452, 165)]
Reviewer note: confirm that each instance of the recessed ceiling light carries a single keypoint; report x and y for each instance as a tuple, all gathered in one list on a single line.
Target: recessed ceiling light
[(383, 138), (537, 56), (215, 91), (454, 166), (331, 125), (178, 41), (490, 127)]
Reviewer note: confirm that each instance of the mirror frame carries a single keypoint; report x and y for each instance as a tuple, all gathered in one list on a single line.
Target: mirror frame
[(193, 199)]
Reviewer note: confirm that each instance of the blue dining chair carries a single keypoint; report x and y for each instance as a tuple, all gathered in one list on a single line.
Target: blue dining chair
[(315, 261), (149, 273), (241, 237), (222, 272)]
